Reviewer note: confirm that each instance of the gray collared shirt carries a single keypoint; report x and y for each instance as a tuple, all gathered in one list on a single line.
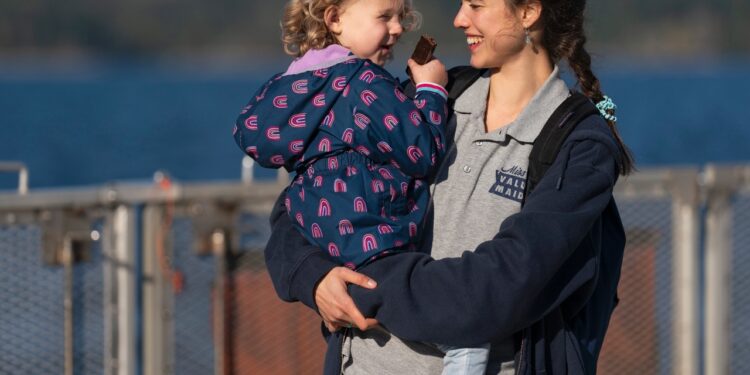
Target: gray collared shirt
[(480, 183), (483, 178)]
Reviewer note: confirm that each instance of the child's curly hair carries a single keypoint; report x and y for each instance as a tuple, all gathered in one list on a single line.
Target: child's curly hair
[(304, 28)]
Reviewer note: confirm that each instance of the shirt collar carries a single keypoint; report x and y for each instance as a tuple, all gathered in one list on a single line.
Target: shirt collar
[(474, 98), (529, 123)]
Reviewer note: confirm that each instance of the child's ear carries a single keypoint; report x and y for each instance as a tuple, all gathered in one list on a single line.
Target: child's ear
[(332, 19)]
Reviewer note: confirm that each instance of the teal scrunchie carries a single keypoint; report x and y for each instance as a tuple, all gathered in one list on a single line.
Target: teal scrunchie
[(604, 105)]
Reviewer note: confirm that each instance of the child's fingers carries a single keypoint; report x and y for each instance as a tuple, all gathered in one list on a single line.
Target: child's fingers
[(435, 64)]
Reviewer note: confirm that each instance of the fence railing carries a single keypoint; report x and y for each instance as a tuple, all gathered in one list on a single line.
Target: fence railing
[(168, 278)]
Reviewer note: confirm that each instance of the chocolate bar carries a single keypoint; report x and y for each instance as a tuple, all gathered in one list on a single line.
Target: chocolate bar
[(424, 49)]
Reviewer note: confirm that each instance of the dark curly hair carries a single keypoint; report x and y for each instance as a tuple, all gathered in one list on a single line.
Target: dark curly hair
[(563, 37)]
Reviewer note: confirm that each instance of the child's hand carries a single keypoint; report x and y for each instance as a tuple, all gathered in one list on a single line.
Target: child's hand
[(433, 71)]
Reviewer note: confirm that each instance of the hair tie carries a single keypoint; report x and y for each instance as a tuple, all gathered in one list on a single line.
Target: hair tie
[(607, 104)]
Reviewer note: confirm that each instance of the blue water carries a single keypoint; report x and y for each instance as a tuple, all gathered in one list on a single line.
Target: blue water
[(125, 123)]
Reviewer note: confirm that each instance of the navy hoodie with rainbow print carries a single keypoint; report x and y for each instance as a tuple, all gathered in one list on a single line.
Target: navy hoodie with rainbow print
[(361, 151)]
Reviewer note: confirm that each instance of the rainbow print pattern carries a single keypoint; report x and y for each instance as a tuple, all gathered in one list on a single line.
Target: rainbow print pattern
[(360, 148)]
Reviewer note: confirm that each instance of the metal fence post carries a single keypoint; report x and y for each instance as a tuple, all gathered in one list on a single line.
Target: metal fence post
[(157, 296), (282, 178), (109, 295), (121, 293), (248, 165), (68, 261), (721, 184), (685, 275), (219, 247), (23, 175)]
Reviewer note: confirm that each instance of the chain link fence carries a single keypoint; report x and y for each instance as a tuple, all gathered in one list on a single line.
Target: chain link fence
[(194, 352), (639, 336), (268, 335), (202, 301), (740, 284), (88, 311), (32, 312)]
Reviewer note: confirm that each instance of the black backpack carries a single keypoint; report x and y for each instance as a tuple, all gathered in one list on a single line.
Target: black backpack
[(558, 127)]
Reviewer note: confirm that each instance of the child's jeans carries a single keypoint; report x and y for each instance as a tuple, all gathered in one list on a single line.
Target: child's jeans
[(465, 361)]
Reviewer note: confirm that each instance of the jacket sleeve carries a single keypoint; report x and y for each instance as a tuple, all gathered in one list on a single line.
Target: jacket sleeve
[(252, 137), (509, 282), (273, 127), (389, 127), (295, 266)]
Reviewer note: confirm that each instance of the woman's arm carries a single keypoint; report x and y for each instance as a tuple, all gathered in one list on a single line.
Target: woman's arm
[(505, 285), (533, 264)]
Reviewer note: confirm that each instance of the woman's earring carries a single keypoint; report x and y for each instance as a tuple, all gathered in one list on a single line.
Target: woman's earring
[(528, 36)]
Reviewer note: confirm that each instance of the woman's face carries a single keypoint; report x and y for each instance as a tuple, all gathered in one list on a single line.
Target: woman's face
[(493, 32)]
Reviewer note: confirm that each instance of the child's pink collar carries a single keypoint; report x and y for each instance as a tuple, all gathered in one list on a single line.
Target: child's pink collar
[(319, 59)]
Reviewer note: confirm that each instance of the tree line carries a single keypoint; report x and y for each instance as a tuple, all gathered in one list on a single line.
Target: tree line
[(166, 27)]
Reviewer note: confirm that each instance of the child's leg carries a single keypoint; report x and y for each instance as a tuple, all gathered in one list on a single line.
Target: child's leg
[(465, 361)]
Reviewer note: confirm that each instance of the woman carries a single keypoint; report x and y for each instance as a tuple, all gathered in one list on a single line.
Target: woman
[(542, 288)]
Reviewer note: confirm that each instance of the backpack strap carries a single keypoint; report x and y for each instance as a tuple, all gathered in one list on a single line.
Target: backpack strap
[(557, 129), (459, 79)]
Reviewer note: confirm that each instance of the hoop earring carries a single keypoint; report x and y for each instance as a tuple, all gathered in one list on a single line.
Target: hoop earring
[(528, 36)]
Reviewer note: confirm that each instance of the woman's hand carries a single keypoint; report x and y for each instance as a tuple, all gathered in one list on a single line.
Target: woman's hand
[(432, 71), (335, 305)]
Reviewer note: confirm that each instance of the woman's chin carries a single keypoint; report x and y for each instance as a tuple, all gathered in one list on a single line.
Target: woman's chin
[(476, 63)]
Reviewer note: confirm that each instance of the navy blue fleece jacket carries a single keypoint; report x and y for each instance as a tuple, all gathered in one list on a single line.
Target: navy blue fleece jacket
[(549, 276)]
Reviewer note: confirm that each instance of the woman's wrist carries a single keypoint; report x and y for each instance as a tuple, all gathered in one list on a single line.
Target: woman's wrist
[(305, 279)]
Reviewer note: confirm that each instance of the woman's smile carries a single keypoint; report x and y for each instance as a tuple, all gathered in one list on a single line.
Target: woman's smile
[(474, 42)]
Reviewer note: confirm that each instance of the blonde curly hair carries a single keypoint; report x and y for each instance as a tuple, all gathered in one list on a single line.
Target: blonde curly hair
[(303, 27)]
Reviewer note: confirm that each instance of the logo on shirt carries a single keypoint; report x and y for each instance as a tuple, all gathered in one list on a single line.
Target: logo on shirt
[(510, 183)]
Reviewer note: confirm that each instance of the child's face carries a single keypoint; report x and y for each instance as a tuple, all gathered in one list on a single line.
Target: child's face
[(370, 28)]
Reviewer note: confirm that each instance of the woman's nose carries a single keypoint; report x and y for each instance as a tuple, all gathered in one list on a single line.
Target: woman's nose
[(460, 21)]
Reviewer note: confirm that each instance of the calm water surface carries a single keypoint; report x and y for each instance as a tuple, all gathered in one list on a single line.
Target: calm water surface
[(124, 123)]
